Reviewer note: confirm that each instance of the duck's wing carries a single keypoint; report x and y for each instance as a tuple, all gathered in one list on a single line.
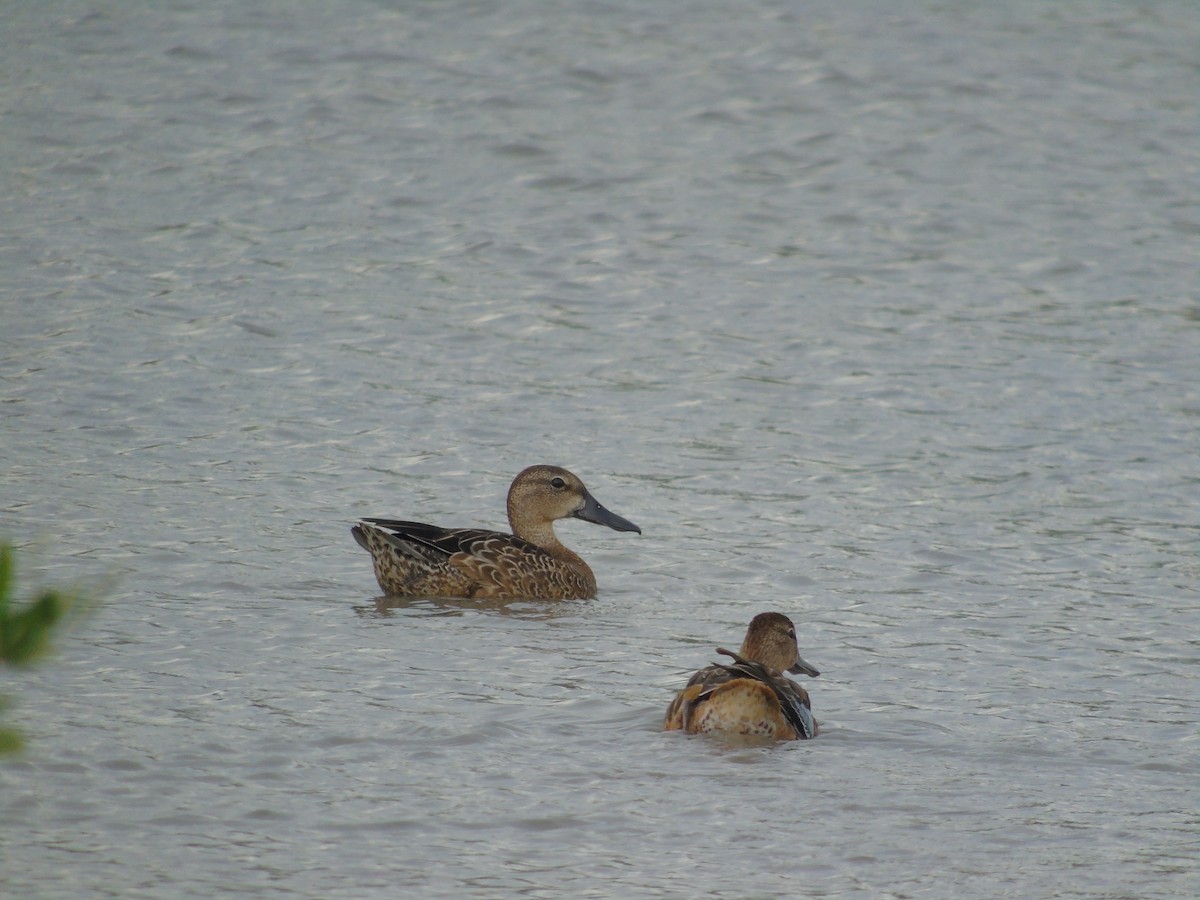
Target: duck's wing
[(437, 544), (699, 686)]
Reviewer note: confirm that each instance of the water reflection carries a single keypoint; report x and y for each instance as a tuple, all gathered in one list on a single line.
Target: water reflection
[(385, 605)]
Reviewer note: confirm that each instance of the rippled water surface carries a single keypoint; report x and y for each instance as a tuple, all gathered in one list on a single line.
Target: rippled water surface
[(887, 321)]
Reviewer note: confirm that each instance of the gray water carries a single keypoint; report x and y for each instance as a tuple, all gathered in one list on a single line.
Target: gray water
[(885, 318)]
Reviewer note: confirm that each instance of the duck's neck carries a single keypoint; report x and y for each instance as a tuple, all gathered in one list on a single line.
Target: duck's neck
[(536, 532), (541, 532)]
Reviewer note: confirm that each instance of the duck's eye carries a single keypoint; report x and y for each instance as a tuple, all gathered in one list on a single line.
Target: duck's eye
[(792, 633), (557, 482)]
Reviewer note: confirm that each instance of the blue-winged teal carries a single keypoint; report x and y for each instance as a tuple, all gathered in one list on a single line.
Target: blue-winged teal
[(417, 560), (750, 696)]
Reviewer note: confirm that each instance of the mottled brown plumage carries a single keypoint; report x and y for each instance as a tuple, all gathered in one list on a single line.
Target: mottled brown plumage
[(750, 696), (417, 560)]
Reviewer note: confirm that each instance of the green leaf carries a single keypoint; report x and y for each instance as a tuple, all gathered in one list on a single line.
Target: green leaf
[(27, 628)]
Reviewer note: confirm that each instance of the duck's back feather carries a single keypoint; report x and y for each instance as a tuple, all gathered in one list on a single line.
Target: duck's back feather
[(742, 697), (792, 698)]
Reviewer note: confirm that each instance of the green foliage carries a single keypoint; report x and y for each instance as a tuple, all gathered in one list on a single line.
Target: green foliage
[(26, 628), (10, 741)]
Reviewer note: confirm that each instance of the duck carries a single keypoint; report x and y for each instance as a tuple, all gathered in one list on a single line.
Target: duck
[(412, 559), (750, 696)]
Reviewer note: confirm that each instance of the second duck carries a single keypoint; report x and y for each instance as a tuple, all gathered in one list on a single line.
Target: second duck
[(750, 696)]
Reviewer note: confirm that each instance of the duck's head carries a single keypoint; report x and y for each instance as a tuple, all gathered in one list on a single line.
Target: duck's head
[(771, 640), (547, 493)]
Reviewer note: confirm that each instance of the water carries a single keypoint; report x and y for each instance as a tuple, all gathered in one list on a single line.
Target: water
[(885, 321)]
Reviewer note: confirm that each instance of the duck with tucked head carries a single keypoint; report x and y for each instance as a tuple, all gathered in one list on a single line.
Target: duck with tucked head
[(417, 560), (750, 696)]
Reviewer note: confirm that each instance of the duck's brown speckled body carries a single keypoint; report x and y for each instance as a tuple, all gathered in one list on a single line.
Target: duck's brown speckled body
[(413, 559), (750, 696)]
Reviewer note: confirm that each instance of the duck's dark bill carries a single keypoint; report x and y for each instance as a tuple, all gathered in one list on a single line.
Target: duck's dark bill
[(591, 511), (803, 668)]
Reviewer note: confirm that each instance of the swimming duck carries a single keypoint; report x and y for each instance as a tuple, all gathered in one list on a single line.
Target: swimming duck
[(750, 696), (417, 560)]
